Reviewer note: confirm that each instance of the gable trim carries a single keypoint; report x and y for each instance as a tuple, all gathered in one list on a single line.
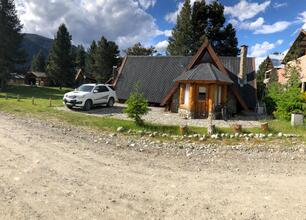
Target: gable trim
[(120, 71)]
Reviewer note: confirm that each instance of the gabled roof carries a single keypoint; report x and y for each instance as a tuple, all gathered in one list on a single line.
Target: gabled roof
[(299, 43), (205, 72), (39, 74), (207, 49), (155, 74)]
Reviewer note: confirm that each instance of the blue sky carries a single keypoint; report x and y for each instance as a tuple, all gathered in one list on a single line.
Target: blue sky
[(265, 26), (289, 13)]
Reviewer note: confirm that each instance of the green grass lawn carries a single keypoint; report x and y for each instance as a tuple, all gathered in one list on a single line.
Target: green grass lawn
[(42, 110)]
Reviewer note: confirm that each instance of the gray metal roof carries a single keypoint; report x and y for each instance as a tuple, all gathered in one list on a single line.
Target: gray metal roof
[(156, 75), (205, 71)]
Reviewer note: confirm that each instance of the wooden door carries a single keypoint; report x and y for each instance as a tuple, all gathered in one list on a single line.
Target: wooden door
[(201, 106)]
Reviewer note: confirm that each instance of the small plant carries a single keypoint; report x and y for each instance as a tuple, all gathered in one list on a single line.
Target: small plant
[(137, 106)]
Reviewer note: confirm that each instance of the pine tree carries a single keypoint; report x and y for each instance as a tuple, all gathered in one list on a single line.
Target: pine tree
[(106, 57), (139, 50), (60, 65), (180, 42), (80, 57), (39, 62), (206, 21), (223, 39), (90, 58), (10, 39), (260, 77), (199, 22)]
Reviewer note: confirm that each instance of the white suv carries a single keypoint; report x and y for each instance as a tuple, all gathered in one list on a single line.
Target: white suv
[(89, 95)]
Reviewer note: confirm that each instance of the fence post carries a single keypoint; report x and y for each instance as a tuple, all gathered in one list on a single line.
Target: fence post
[(33, 101), (50, 102), (6, 96), (18, 98)]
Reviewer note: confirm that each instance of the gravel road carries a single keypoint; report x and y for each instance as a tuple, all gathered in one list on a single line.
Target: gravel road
[(52, 171)]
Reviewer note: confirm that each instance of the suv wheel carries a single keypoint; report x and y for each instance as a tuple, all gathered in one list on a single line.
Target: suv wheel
[(87, 105), (111, 102)]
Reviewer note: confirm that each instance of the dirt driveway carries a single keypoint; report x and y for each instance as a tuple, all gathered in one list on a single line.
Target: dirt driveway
[(159, 116), (48, 171)]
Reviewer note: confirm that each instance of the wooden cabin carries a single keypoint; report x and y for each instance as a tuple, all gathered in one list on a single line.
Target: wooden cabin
[(201, 90), (36, 78), (194, 86)]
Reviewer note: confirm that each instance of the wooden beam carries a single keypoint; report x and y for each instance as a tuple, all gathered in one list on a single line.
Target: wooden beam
[(182, 94), (211, 98), (224, 94), (120, 71), (192, 98)]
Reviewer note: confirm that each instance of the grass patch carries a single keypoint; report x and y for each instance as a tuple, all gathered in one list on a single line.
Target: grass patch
[(41, 110)]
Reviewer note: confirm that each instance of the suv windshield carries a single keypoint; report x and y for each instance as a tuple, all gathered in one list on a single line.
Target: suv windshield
[(85, 88)]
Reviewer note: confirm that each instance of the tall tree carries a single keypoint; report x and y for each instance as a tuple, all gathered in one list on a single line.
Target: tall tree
[(60, 64), (10, 39), (39, 62), (206, 21), (180, 41), (223, 39), (90, 58), (106, 57), (80, 57), (139, 50), (199, 22)]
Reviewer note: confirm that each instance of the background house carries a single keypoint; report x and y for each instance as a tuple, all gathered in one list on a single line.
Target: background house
[(83, 78), (36, 78), (193, 86), (16, 79), (296, 56)]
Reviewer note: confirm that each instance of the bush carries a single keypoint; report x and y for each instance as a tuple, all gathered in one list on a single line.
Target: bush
[(283, 100), (137, 106)]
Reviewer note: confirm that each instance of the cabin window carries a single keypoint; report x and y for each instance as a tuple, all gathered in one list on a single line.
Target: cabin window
[(202, 93), (187, 90), (218, 95)]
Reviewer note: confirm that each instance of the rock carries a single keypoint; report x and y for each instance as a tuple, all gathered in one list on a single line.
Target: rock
[(270, 135), (95, 141), (120, 129), (280, 134), (236, 135), (302, 150), (251, 135), (232, 136)]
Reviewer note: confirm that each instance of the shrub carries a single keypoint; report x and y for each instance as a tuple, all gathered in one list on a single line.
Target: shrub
[(283, 100), (137, 106)]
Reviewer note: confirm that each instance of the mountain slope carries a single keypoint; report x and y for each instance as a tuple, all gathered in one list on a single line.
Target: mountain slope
[(32, 44)]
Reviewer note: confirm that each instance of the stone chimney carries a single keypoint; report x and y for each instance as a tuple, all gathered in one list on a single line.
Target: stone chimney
[(242, 70)]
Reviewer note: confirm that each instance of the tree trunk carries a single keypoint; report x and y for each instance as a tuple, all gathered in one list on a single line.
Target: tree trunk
[(2, 85)]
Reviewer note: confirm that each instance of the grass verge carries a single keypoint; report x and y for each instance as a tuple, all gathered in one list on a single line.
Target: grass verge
[(42, 110)]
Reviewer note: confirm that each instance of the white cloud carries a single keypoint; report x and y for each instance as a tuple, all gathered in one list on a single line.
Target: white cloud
[(147, 3), (168, 33), (246, 10), (273, 28), (302, 18), (172, 16), (280, 4), (252, 25), (162, 46), (123, 21), (261, 51)]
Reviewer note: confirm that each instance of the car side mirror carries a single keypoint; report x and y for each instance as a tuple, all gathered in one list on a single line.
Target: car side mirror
[(95, 91)]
